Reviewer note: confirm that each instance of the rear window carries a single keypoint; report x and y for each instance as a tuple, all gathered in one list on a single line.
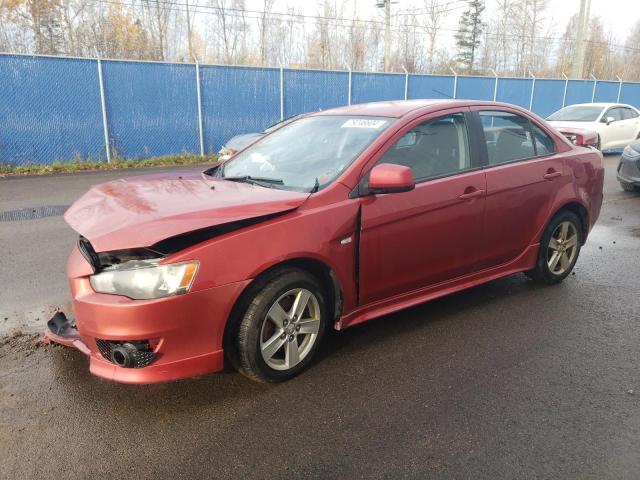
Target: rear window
[(512, 137), (508, 137)]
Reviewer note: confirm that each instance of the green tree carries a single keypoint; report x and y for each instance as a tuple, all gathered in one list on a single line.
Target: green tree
[(470, 28)]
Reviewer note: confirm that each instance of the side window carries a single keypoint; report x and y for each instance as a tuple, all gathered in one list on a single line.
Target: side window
[(434, 148), (628, 113), (544, 144), (615, 113), (508, 137)]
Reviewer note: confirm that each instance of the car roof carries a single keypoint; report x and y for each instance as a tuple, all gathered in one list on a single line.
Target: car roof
[(392, 108), (599, 104)]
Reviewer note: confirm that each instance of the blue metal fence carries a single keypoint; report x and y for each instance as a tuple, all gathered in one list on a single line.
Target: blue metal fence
[(237, 100), (152, 108), (51, 108)]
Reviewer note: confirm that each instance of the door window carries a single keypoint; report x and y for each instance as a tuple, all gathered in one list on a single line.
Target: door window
[(628, 113), (615, 113), (508, 137), (432, 149), (544, 144)]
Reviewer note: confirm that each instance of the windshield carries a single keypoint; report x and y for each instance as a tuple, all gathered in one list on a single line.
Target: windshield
[(577, 113), (307, 154)]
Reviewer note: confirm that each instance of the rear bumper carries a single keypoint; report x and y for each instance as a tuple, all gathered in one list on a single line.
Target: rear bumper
[(185, 332)]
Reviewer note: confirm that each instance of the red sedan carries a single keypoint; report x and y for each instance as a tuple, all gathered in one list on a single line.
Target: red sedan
[(332, 220)]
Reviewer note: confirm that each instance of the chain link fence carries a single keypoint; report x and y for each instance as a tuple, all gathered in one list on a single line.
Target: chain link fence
[(61, 109)]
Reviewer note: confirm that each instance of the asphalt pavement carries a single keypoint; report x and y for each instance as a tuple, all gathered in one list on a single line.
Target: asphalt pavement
[(506, 380)]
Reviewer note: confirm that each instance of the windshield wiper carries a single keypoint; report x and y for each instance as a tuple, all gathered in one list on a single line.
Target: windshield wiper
[(316, 186), (262, 181)]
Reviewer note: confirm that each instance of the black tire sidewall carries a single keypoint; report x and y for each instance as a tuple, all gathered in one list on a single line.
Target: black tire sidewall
[(248, 340), (542, 268)]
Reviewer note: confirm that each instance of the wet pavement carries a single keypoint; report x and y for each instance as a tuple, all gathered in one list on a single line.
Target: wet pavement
[(33, 253), (506, 380)]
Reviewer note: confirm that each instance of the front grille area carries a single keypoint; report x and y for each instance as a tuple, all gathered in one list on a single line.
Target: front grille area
[(143, 356)]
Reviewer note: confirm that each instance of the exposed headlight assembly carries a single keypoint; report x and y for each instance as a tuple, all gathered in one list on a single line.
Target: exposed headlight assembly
[(145, 279), (630, 152)]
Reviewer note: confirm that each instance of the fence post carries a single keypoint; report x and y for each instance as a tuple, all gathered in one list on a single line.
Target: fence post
[(349, 92), (455, 82), (619, 88), (564, 95), (103, 107), (595, 84), (406, 83), (200, 131), (533, 91), (495, 86), (281, 92)]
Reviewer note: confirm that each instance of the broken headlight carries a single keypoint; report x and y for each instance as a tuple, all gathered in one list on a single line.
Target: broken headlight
[(145, 279)]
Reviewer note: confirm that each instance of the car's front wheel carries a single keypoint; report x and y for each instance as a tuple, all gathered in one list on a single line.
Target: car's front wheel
[(282, 327), (559, 248)]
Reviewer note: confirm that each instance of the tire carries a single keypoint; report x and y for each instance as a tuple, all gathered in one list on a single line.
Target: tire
[(272, 343), (555, 264), (599, 144), (628, 187)]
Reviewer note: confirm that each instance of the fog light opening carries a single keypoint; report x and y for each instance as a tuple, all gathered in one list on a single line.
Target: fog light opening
[(124, 355), (119, 358)]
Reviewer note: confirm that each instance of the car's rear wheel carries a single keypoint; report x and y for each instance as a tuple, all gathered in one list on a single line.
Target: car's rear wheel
[(559, 248), (282, 327)]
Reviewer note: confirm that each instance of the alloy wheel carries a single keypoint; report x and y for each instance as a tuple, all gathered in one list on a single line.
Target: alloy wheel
[(290, 329), (563, 247)]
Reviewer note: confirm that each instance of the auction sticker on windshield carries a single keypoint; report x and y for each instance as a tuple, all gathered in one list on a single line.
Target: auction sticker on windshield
[(363, 123)]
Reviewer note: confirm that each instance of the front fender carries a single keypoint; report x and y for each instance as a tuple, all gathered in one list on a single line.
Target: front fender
[(315, 233)]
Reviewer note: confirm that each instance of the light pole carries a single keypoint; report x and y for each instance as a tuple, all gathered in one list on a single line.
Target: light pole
[(386, 4), (577, 68)]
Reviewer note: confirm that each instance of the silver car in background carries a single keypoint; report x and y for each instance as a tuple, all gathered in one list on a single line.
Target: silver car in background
[(629, 168), (242, 141)]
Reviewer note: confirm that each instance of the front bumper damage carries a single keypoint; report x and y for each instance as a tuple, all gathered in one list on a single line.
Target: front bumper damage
[(131, 354), (63, 331), (129, 361)]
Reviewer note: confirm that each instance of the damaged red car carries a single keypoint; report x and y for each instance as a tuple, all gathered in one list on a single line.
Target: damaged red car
[(334, 219)]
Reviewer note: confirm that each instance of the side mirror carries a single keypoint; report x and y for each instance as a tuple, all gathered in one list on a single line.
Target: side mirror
[(609, 120), (390, 178)]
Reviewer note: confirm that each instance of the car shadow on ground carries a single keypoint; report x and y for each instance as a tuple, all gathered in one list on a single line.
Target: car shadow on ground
[(385, 328), (70, 367)]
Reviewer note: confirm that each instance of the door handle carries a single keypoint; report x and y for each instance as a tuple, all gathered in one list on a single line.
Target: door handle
[(550, 175), (472, 194)]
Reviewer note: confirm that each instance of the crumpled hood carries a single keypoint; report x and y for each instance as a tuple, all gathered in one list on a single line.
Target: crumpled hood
[(140, 211)]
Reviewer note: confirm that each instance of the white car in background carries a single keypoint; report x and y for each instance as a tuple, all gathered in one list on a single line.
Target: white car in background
[(617, 125)]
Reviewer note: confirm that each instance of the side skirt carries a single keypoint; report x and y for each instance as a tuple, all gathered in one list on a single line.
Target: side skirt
[(525, 261)]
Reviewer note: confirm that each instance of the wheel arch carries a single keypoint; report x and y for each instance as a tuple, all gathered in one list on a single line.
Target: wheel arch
[(582, 213), (320, 270)]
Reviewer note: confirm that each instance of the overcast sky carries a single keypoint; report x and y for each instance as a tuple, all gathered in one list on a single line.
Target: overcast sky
[(618, 15)]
